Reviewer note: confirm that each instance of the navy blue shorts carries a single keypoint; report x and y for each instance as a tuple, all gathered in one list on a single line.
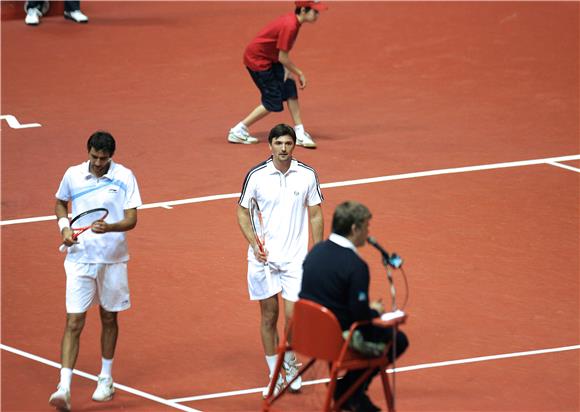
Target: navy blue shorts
[(273, 88)]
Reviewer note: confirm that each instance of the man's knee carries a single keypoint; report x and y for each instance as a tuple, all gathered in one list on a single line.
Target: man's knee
[(75, 322), (108, 319), (269, 311)]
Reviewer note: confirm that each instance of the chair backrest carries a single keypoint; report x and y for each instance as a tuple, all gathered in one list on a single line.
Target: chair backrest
[(315, 331)]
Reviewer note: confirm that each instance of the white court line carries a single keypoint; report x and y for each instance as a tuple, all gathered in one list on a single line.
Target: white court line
[(15, 124), (401, 369), (94, 378), (574, 169), (169, 204)]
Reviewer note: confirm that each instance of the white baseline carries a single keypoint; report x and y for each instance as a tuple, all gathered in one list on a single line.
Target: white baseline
[(397, 370), (169, 204)]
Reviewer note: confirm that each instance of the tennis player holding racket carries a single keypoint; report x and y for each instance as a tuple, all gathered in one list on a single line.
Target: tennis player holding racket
[(96, 261), (288, 195)]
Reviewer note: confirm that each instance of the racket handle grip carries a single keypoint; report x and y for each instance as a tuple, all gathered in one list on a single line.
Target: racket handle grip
[(62, 248)]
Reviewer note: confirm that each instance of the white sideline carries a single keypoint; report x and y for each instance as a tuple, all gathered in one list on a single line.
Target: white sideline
[(398, 370), (169, 204), (94, 378)]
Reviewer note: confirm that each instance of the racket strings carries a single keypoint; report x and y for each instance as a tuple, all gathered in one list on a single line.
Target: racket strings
[(87, 219)]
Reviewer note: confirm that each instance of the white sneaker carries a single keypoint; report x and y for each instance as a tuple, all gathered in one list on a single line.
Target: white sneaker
[(291, 369), (60, 399), (306, 141), (242, 137), (76, 16), (105, 389), (277, 389), (33, 16)]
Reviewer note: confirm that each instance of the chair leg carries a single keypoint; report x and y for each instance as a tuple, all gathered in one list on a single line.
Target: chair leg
[(271, 398), (330, 391), (360, 380), (387, 391)]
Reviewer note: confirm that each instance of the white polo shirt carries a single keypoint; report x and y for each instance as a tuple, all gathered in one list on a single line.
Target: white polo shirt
[(117, 190), (283, 199)]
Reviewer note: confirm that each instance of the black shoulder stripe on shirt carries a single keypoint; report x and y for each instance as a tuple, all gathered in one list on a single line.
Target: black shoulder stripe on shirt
[(304, 165), (253, 170)]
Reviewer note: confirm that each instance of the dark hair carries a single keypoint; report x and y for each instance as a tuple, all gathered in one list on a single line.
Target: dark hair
[(101, 140), (298, 9), (281, 130), (348, 213)]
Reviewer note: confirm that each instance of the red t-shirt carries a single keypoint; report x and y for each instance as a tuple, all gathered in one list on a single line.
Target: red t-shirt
[(278, 35)]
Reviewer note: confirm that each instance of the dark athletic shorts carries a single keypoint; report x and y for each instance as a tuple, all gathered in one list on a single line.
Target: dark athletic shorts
[(273, 88)]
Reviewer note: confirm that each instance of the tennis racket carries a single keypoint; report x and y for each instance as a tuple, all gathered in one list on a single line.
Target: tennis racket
[(259, 235), (84, 221)]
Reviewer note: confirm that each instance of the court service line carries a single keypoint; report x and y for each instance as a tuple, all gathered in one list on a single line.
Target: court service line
[(413, 175), (400, 369), (574, 169), (95, 378)]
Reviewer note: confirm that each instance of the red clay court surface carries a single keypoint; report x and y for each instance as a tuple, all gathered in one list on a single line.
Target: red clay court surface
[(394, 88)]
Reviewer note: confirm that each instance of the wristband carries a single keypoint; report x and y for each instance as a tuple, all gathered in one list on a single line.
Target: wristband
[(63, 223)]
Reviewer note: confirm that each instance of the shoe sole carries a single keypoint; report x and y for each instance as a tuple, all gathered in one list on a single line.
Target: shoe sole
[(105, 399), (59, 404), (76, 21), (238, 141), (306, 146)]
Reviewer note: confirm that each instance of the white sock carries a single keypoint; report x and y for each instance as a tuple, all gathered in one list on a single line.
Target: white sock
[(240, 127), (289, 357), (299, 129), (106, 368), (271, 361), (65, 378)]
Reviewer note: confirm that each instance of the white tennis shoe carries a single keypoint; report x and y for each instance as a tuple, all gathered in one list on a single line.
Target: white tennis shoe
[(33, 16), (60, 399), (305, 140), (241, 136), (277, 389), (291, 369), (77, 16), (105, 389)]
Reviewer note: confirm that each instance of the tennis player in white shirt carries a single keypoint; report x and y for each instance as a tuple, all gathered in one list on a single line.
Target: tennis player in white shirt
[(288, 194), (96, 264)]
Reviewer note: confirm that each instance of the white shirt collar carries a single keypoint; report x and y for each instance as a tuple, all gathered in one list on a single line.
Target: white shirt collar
[(292, 168), (342, 241), (108, 175)]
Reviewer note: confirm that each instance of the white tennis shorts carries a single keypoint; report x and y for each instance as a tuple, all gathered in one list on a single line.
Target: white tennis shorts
[(286, 278), (88, 283)]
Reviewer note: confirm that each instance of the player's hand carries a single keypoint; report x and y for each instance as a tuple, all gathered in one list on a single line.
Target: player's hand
[(100, 226), (67, 237), (260, 256), (302, 80), (378, 306)]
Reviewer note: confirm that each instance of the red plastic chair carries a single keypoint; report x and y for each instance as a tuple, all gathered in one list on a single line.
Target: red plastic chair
[(316, 334)]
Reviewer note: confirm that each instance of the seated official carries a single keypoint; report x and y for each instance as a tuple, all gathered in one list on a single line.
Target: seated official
[(336, 277)]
